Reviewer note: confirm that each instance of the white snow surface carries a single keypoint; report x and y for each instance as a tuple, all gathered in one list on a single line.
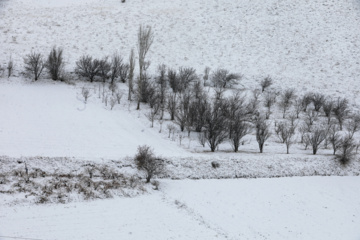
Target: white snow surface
[(308, 45), (279, 208)]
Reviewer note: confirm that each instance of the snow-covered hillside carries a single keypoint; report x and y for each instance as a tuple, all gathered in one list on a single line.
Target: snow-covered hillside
[(46, 126), (307, 44)]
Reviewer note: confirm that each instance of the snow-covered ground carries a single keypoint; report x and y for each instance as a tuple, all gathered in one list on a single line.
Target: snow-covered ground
[(308, 45), (283, 208)]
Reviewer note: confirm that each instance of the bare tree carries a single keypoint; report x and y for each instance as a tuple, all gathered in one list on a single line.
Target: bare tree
[(162, 84), (115, 67), (353, 125), (306, 100), (334, 137), (145, 160), (131, 73), (34, 64), (286, 99), (104, 69), (87, 67), (240, 128), (318, 100), (262, 132), (286, 133), (346, 149), (328, 106), (341, 110), (173, 80), (154, 111), (55, 63), (10, 67), (223, 78), (145, 40), (265, 83), (206, 75), (216, 126), (172, 105), (186, 76), (269, 101), (315, 138)]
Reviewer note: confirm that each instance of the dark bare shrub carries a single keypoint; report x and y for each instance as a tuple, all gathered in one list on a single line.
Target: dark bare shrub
[(172, 105), (215, 164), (216, 125), (334, 137), (328, 106), (223, 78), (286, 132), (206, 75), (115, 68), (315, 138), (131, 74), (145, 160), (265, 83), (87, 67), (240, 128), (145, 40), (286, 100), (173, 80), (10, 67), (346, 149), (34, 64), (269, 101), (104, 69), (306, 100), (262, 132), (186, 76), (318, 100), (55, 63), (85, 93), (353, 125), (341, 110)]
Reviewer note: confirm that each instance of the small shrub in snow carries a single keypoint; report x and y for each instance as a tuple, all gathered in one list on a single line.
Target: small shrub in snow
[(347, 149), (341, 110), (286, 100), (223, 78), (34, 64), (85, 93), (215, 164), (55, 63), (206, 75), (10, 67), (318, 100), (145, 160), (265, 83), (104, 69), (262, 132), (269, 101), (315, 138), (87, 67)]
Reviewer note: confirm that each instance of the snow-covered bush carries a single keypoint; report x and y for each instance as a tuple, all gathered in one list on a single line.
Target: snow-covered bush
[(145, 160)]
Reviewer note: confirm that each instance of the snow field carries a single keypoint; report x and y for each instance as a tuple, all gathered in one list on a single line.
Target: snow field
[(283, 208)]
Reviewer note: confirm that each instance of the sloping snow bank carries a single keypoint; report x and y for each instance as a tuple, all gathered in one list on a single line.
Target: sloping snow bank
[(284, 208)]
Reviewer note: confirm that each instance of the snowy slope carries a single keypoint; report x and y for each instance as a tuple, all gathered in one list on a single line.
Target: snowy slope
[(276, 209), (47, 119), (305, 44)]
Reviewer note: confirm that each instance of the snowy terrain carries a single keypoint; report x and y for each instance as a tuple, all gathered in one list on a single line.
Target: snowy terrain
[(308, 45)]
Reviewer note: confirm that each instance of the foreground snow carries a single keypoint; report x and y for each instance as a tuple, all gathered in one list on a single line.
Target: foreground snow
[(284, 208)]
